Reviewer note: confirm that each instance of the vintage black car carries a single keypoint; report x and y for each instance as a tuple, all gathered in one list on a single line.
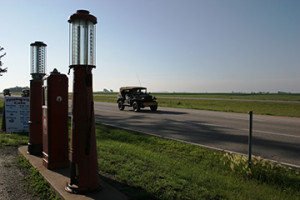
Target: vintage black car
[(136, 97), (25, 93), (6, 92)]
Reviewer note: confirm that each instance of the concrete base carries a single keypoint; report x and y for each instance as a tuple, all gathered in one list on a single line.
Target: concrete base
[(54, 165), (58, 180), (35, 149)]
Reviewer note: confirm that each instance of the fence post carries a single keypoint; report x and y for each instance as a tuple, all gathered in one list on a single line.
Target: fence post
[(250, 137)]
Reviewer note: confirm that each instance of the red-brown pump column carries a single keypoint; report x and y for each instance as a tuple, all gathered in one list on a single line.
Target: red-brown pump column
[(83, 152), (55, 121), (38, 66)]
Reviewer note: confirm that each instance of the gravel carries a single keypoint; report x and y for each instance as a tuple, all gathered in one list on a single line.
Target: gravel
[(12, 183)]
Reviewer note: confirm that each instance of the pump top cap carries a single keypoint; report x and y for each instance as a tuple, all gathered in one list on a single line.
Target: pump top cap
[(38, 43), (83, 15)]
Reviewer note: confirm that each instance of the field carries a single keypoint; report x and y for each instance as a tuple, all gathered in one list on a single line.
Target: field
[(224, 103)]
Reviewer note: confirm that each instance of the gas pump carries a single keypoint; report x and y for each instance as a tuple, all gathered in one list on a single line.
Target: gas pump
[(38, 68), (55, 121), (83, 152)]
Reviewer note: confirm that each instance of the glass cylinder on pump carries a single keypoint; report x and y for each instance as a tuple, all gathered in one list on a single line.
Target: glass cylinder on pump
[(38, 60), (82, 38)]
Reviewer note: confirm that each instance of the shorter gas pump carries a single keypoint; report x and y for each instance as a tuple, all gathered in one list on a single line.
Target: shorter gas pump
[(55, 121)]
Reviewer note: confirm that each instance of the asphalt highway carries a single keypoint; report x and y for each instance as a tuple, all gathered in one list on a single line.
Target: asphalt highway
[(274, 138)]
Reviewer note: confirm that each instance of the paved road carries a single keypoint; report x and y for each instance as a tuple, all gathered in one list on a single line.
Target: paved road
[(275, 138)]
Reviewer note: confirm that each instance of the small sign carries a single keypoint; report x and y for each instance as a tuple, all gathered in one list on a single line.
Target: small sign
[(17, 114)]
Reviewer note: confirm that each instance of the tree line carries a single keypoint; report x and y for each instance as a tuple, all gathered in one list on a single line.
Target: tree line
[(2, 70)]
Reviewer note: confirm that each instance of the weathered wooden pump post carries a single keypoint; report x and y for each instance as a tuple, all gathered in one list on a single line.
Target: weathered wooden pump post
[(83, 152), (38, 68)]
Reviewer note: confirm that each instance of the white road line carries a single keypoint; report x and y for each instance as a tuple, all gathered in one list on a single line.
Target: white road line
[(254, 131), (281, 134)]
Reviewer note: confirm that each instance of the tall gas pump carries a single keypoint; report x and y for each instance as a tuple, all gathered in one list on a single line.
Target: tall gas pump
[(83, 151), (55, 121), (38, 68)]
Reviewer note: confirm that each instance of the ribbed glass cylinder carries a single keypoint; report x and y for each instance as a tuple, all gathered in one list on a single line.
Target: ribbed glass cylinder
[(38, 58), (82, 42)]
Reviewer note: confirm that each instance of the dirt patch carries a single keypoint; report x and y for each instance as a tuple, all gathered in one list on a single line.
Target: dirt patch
[(12, 183)]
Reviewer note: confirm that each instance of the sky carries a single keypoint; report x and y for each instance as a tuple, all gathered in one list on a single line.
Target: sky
[(164, 45)]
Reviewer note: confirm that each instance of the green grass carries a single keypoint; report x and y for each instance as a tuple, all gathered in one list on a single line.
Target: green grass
[(35, 183), (13, 139), (156, 168), (108, 98), (263, 108)]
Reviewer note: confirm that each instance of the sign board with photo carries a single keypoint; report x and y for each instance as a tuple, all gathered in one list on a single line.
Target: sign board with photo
[(17, 114)]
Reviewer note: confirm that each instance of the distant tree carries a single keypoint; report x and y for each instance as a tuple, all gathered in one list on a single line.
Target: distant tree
[(18, 89), (2, 70)]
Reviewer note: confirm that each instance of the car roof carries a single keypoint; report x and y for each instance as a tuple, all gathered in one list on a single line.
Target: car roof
[(131, 88)]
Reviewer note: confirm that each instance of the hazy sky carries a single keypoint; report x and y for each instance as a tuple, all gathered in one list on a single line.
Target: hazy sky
[(166, 45)]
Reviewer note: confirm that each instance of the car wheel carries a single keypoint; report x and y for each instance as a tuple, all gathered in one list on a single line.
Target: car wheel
[(136, 106), (120, 105), (153, 108)]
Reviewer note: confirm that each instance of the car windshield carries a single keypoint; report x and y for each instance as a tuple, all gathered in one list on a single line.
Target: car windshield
[(141, 91)]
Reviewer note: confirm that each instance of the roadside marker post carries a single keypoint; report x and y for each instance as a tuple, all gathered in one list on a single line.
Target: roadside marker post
[(250, 137)]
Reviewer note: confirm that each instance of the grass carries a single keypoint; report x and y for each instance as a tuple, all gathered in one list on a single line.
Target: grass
[(15, 139), (262, 108), (35, 182), (109, 98), (156, 168)]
